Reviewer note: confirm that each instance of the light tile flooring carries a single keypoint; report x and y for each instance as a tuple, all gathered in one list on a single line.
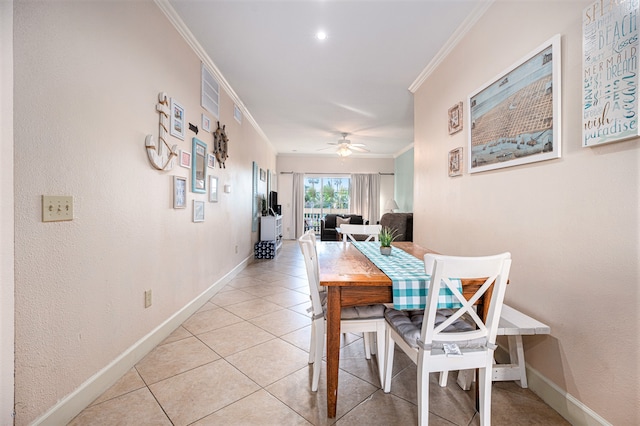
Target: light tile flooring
[(242, 360)]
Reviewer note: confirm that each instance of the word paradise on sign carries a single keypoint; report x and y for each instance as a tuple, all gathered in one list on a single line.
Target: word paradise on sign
[(610, 72)]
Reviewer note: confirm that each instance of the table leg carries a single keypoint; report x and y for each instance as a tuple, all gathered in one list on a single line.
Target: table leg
[(333, 347)]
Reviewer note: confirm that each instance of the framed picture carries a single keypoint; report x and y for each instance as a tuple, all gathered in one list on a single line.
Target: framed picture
[(515, 118), (263, 175), (610, 75), (199, 166), (185, 159), (213, 189), (455, 162), (198, 211), (211, 161), (206, 123), (177, 119), (179, 192), (455, 118)]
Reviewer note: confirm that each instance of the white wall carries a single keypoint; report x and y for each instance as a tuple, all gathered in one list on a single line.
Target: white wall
[(6, 214), (85, 97), (329, 165), (572, 224)]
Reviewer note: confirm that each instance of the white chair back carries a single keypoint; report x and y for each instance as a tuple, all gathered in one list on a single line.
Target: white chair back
[(307, 244), (371, 231), (445, 271)]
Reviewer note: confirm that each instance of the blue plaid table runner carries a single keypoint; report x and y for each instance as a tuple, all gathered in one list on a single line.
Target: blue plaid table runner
[(409, 279)]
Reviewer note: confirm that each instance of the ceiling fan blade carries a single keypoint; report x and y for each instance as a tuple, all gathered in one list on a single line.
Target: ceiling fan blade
[(357, 144), (358, 149)]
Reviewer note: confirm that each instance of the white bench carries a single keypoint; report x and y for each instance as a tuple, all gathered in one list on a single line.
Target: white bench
[(513, 324)]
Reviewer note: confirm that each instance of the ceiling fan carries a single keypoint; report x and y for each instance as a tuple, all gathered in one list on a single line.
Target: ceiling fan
[(346, 148)]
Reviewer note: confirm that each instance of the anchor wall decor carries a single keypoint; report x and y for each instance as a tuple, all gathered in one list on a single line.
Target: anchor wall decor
[(160, 159)]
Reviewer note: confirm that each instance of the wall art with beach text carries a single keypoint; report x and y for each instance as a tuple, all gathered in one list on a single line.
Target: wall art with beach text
[(610, 72)]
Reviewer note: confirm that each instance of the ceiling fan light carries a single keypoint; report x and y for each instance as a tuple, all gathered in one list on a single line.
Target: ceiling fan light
[(343, 151)]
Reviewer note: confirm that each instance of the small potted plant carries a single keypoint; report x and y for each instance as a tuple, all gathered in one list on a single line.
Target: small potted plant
[(386, 237)]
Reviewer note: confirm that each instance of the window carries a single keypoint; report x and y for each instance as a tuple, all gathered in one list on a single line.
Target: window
[(210, 96), (323, 195)]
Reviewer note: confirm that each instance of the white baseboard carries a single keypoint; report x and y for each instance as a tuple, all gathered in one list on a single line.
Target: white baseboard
[(71, 405), (568, 406)]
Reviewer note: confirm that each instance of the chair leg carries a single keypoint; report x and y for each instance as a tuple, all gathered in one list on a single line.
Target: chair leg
[(317, 358), (367, 345), (388, 362), (443, 379), (423, 390), (312, 343), (372, 343), (484, 386), (380, 351)]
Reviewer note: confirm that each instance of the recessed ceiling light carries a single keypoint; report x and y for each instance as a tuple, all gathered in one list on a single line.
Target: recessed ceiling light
[(321, 35)]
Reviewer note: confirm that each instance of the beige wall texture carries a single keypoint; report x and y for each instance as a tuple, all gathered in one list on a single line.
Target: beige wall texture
[(571, 224), (87, 77), (6, 214)]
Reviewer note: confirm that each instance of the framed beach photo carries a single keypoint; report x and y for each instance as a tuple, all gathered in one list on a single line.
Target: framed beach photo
[(514, 119), (179, 192), (198, 211), (177, 119), (211, 161)]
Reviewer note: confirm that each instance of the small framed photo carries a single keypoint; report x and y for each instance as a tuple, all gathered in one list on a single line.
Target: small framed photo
[(211, 161), (263, 175), (179, 192), (206, 123), (198, 211), (213, 189), (455, 162), (185, 159), (455, 118), (177, 119)]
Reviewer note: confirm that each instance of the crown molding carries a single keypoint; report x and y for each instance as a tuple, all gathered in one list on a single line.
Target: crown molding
[(188, 36), (453, 41)]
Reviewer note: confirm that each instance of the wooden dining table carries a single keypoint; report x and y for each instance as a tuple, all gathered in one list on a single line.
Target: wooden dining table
[(353, 280)]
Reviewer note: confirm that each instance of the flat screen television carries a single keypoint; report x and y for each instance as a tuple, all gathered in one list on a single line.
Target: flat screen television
[(273, 200)]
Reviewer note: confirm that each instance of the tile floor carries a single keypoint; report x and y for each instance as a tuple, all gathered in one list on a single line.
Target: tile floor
[(242, 360)]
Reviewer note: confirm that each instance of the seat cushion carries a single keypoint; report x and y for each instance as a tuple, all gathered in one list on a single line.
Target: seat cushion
[(408, 324), (356, 312)]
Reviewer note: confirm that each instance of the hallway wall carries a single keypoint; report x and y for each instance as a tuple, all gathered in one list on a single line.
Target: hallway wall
[(85, 98)]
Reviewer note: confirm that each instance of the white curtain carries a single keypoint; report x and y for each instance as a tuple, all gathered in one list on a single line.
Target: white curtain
[(298, 204), (365, 196)]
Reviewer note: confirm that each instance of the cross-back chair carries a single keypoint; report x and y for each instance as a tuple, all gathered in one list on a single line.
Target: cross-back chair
[(349, 231), (428, 340)]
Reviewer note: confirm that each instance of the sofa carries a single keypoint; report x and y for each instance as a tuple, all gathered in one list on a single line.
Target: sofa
[(402, 223), (328, 225)]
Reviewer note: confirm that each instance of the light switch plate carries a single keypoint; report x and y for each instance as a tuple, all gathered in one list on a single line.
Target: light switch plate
[(57, 208)]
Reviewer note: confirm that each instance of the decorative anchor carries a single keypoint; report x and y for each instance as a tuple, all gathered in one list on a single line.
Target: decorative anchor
[(158, 158)]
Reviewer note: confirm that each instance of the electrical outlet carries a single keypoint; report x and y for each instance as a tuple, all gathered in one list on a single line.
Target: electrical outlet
[(55, 208), (147, 298)]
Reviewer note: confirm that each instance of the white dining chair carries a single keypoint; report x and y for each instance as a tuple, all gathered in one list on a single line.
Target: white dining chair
[(349, 231), (433, 340), (368, 319)]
